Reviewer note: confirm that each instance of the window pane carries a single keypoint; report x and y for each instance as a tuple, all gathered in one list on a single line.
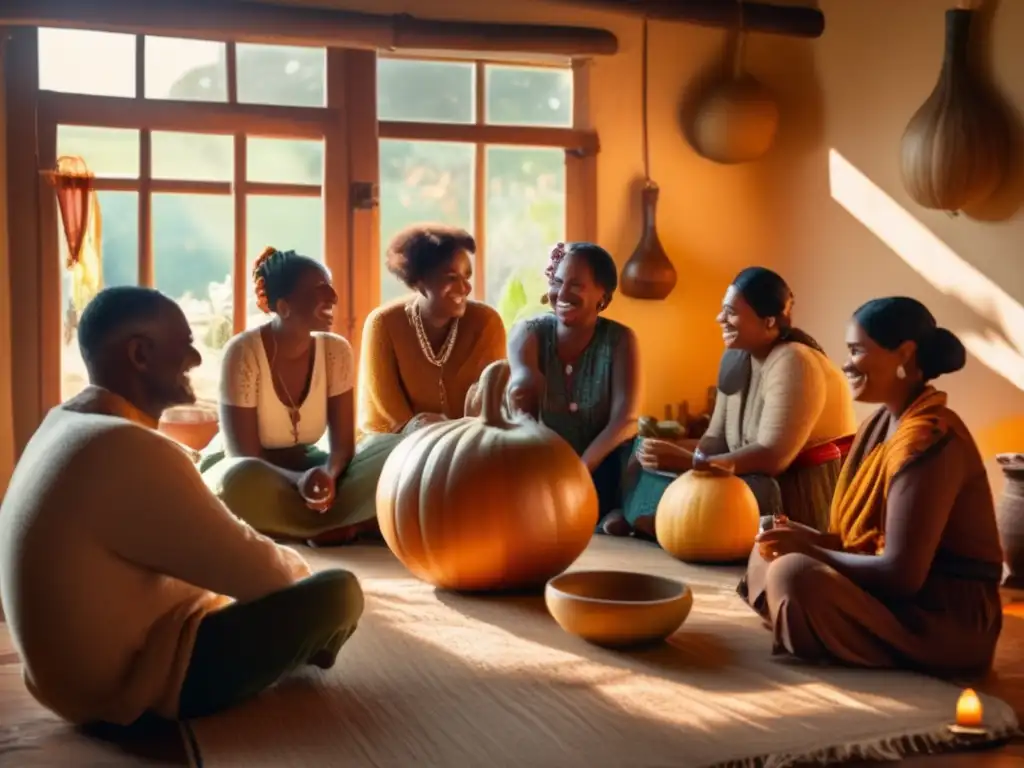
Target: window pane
[(422, 181), (109, 152), (188, 70), (192, 156), (193, 256), (525, 214), (285, 161), (288, 223), (81, 61), (119, 249), (538, 96), (289, 76), (426, 91)]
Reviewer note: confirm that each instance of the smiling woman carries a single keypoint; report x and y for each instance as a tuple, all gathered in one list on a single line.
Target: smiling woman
[(783, 412), (421, 355), (284, 386)]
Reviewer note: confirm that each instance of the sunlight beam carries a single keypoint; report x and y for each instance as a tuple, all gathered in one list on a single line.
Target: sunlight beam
[(938, 264)]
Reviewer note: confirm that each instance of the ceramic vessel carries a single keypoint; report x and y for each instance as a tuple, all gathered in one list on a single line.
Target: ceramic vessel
[(618, 609), (1010, 519)]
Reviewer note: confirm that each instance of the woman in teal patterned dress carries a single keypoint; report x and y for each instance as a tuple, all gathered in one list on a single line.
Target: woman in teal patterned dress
[(578, 372)]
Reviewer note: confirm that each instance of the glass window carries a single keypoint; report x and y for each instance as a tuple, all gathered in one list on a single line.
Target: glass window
[(83, 61), (192, 156), (285, 161), (288, 223), (111, 153), (525, 214), (119, 212), (537, 96), (288, 76), (186, 70), (422, 181), (193, 259), (411, 90)]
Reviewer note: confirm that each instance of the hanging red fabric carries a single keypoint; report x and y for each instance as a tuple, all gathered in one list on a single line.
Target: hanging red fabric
[(73, 184)]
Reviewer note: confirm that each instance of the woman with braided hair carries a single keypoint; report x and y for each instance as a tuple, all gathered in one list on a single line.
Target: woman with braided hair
[(283, 386)]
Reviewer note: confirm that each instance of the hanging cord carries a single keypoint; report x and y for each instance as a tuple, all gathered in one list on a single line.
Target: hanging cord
[(737, 62), (643, 109)]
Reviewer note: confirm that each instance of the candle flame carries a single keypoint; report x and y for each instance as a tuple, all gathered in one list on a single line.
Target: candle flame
[(969, 709)]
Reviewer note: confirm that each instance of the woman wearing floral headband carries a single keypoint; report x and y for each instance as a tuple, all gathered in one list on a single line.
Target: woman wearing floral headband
[(284, 385), (579, 372)]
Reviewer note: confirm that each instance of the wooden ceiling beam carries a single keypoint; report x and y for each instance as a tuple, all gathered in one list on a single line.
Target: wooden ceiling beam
[(253, 22), (788, 20)]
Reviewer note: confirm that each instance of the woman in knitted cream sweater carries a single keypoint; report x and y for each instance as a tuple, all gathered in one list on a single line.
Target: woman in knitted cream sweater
[(284, 386), (783, 417), (421, 355)]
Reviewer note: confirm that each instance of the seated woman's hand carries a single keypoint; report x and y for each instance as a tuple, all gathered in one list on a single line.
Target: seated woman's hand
[(662, 455), (523, 394), (316, 486), (784, 540)]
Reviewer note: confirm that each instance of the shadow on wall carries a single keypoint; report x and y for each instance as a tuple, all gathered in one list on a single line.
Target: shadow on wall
[(988, 320)]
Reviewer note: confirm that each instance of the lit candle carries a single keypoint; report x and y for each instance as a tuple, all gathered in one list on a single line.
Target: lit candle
[(968, 710)]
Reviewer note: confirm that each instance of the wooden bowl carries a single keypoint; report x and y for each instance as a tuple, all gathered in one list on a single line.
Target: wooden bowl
[(191, 425), (617, 609)]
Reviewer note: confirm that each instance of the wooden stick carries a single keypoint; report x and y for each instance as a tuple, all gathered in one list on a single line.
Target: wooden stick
[(788, 20), (254, 22)]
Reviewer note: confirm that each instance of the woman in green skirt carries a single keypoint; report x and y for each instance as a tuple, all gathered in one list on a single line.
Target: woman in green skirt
[(285, 386)]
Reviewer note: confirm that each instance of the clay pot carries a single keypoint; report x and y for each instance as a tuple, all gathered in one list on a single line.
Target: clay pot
[(1010, 518), (191, 425)]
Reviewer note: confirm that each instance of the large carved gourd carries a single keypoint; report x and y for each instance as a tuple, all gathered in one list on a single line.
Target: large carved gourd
[(954, 150), (707, 517), (486, 502)]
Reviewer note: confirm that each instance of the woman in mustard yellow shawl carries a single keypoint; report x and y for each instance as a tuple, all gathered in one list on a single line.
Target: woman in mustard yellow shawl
[(908, 573)]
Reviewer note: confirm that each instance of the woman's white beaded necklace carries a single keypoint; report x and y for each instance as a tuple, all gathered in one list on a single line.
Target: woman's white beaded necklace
[(438, 360)]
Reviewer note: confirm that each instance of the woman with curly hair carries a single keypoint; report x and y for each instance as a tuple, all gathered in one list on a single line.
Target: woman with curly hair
[(284, 385), (421, 355)]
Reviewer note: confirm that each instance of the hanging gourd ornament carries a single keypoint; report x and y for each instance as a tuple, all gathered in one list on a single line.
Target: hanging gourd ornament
[(488, 502), (954, 150), (737, 120)]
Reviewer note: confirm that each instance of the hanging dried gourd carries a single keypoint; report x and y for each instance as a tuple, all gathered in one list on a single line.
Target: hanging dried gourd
[(954, 150), (649, 273), (737, 119)]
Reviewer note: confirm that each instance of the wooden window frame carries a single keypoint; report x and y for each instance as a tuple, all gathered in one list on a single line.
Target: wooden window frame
[(350, 130)]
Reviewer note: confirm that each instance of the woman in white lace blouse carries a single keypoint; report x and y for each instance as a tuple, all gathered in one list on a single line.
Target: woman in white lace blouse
[(284, 386)]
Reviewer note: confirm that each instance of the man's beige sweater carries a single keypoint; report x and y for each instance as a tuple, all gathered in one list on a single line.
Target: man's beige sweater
[(111, 552)]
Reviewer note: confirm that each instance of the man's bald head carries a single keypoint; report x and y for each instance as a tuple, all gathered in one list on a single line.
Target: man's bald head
[(116, 314), (137, 342)]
